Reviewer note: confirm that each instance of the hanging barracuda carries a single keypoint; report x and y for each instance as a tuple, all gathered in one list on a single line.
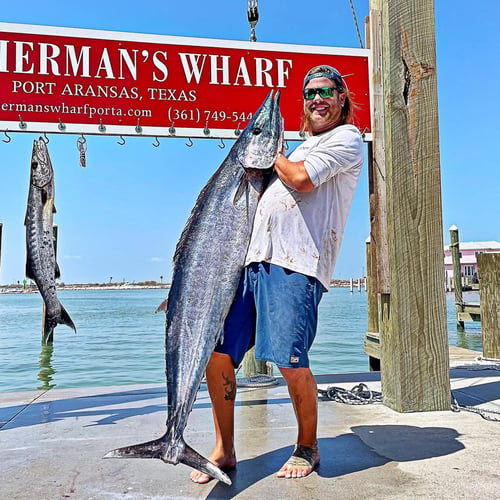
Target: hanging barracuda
[(41, 264), (208, 262)]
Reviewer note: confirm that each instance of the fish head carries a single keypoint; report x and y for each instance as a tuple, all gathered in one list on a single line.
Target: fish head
[(262, 139), (41, 166)]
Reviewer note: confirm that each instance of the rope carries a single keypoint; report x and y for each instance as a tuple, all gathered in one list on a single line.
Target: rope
[(358, 395), (257, 381), (456, 407), (356, 24)]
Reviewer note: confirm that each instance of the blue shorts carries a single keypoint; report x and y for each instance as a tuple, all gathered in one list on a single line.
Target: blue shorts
[(277, 311)]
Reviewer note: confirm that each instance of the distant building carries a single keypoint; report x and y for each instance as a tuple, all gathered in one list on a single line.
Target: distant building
[(468, 264)]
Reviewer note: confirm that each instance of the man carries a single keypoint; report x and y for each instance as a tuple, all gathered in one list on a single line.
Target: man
[(295, 241)]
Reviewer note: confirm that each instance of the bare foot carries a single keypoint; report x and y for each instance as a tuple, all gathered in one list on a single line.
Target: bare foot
[(225, 464), (302, 462)]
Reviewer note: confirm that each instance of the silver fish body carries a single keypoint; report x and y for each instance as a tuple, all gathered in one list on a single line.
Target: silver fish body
[(41, 264), (208, 262)]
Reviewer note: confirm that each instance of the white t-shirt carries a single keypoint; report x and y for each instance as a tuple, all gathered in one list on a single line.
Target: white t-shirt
[(303, 231)]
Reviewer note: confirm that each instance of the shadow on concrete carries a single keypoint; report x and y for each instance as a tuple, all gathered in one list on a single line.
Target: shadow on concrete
[(366, 448), (477, 394)]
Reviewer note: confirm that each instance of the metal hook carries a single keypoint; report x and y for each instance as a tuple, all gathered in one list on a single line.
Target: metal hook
[(61, 125), (122, 141), (171, 130), (101, 127), (253, 18), (222, 145), (157, 143), (237, 132), (138, 129), (22, 124), (190, 145), (286, 145), (45, 139), (8, 137), (206, 130)]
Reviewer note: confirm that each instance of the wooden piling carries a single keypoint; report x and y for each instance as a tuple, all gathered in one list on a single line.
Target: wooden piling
[(253, 367), (457, 275), (489, 290), (412, 317)]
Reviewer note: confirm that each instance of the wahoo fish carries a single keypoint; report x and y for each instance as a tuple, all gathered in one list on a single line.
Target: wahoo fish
[(41, 264), (207, 266)]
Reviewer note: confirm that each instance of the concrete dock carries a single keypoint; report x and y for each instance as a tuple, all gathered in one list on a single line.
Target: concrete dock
[(52, 443)]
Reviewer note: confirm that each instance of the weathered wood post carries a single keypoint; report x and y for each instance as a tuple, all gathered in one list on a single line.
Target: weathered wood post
[(1, 229), (457, 274), (413, 335), (489, 290), (253, 367), (373, 361)]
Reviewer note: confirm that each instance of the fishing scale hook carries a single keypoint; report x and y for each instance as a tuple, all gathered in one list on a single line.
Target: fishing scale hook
[(221, 145), (190, 145), (122, 143), (45, 139), (156, 144), (8, 137)]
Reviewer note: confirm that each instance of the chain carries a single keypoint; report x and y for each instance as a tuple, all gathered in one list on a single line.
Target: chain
[(81, 145), (253, 18)]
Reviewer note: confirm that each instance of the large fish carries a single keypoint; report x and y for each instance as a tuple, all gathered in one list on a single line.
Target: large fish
[(208, 262), (41, 263)]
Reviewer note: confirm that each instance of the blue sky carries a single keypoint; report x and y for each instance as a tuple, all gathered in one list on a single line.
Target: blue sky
[(122, 215)]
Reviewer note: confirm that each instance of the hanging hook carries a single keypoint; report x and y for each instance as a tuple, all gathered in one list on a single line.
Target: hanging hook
[(45, 138), (61, 125), (171, 130), (8, 137), (237, 132), (222, 145), (81, 145), (22, 124), (286, 145), (190, 145), (138, 128), (206, 130), (253, 18), (122, 141), (156, 144)]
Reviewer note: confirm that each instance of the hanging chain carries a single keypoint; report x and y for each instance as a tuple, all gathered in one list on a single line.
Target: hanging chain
[(356, 24), (253, 18), (81, 145)]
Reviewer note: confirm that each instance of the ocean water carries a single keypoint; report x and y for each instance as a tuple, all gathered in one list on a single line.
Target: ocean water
[(120, 340)]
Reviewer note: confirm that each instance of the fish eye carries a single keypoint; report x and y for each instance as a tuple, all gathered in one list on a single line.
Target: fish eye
[(34, 164), (256, 131)]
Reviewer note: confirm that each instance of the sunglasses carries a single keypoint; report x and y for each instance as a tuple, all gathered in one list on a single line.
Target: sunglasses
[(322, 91)]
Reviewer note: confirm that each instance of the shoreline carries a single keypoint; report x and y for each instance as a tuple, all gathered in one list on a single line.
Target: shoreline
[(32, 288)]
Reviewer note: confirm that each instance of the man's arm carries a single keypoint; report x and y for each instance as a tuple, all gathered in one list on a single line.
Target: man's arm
[(293, 174)]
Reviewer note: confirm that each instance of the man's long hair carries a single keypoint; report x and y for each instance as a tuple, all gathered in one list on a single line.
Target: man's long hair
[(346, 111)]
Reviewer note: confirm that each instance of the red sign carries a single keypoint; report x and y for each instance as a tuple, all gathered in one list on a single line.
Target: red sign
[(100, 82)]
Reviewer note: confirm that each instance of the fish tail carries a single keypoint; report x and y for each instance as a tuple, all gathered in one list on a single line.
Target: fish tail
[(50, 322), (65, 319), (160, 448), (193, 459)]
